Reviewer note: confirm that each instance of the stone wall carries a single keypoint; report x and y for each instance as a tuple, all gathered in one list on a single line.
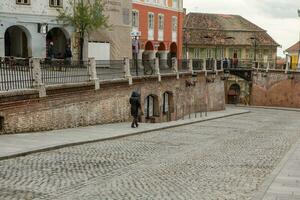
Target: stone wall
[(82, 105), (276, 89)]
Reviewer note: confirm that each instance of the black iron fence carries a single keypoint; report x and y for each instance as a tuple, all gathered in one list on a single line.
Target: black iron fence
[(110, 69), (198, 64), (166, 67), (15, 74), (142, 67), (183, 65), (62, 71)]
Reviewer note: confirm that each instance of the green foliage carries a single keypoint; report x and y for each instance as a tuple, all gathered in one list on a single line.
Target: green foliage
[(84, 15)]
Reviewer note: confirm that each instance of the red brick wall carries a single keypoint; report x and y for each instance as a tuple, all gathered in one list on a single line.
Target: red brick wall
[(276, 90), (83, 106)]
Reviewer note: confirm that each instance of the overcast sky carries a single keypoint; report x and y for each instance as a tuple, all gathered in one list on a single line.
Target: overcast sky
[(278, 17)]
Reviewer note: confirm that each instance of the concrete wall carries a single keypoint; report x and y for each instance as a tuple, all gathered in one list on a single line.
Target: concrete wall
[(276, 89), (83, 106)]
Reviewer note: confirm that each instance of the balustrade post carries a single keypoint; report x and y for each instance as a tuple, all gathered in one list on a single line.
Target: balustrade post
[(93, 73), (126, 66), (157, 71), (215, 66), (286, 66), (204, 67), (268, 67), (191, 69), (175, 67), (37, 76)]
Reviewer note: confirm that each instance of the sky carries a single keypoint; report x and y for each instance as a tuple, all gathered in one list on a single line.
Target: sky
[(278, 17)]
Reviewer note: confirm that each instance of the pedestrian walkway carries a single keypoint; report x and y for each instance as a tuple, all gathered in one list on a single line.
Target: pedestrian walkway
[(26, 143), (285, 184)]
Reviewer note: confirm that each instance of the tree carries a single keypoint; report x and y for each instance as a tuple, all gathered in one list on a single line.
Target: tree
[(84, 16)]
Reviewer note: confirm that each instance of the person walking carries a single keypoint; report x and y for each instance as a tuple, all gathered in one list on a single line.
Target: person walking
[(50, 52), (68, 54), (135, 103)]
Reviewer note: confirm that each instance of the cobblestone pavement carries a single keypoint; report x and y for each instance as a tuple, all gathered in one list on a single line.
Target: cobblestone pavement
[(227, 158)]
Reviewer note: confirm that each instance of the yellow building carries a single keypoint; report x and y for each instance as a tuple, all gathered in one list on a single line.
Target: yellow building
[(293, 53)]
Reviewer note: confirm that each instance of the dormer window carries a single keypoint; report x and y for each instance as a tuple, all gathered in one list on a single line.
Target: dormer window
[(55, 3), (23, 2)]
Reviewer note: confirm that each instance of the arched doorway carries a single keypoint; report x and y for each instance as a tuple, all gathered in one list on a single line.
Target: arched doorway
[(234, 94), (151, 107), (148, 58), (168, 105), (17, 42), (60, 40), (172, 53), (162, 55)]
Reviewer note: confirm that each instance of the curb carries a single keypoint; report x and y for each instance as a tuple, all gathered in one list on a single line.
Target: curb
[(268, 182), (271, 108), (114, 137)]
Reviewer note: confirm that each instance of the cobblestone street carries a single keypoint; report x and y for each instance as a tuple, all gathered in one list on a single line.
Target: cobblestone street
[(227, 158)]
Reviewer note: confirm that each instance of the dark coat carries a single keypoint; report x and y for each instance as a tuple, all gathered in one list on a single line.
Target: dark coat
[(135, 103), (51, 51), (68, 53)]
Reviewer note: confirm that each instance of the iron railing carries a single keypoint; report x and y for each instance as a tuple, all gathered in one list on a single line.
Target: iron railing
[(144, 67), (62, 71), (198, 64), (166, 67), (183, 65), (110, 69), (15, 74)]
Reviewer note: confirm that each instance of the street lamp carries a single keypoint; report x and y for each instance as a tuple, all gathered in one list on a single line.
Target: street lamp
[(187, 38), (254, 42)]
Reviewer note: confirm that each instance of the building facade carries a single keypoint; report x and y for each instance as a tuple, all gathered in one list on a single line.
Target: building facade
[(28, 26), (220, 36), (226, 36), (114, 42), (293, 56), (158, 23)]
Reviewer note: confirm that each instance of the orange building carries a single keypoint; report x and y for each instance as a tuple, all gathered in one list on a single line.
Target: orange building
[(159, 25)]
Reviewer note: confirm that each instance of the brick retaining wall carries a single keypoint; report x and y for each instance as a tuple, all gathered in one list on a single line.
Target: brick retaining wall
[(67, 107)]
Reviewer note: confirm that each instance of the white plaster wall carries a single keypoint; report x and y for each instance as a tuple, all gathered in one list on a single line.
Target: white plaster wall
[(37, 7)]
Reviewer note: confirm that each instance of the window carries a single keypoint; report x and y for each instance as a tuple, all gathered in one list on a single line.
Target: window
[(174, 24), (175, 4), (55, 3), (151, 21), (24, 2), (135, 18), (160, 22)]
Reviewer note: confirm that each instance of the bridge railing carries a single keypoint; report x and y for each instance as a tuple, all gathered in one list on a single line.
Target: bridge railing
[(15, 73), (58, 71)]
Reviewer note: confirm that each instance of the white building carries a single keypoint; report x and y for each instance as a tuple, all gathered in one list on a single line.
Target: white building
[(27, 27)]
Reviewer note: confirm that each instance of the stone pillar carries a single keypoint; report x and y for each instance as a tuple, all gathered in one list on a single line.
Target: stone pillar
[(215, 66), (127, 70), (93, 73), (204, 67), (37, 76), (157, 71), (140, 59), (268, 67), (163, 61), (191, 65), (2, 45), (175, 67)]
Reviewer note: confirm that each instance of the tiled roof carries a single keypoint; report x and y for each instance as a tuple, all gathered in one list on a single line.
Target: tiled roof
[(295, 47), (219, 29)]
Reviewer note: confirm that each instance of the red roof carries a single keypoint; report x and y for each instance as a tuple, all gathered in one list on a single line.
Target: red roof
[(295, 47)]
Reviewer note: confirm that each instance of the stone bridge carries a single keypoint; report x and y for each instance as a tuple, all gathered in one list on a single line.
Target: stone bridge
[(164, 97)]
